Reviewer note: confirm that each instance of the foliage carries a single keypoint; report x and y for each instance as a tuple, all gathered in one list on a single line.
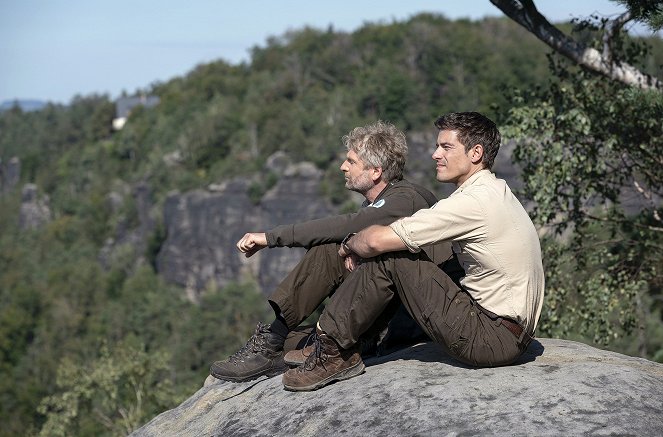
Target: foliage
[(120, 390), (261, 185), (592, 168), (647, 11)]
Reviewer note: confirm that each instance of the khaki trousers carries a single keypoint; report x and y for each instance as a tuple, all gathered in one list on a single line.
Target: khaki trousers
[(443, 310)]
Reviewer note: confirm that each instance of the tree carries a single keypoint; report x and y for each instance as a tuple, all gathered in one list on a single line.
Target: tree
[(604, 62), (111, 396), (589, 148)]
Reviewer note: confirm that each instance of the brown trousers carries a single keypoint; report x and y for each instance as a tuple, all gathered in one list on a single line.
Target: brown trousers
[(443, 310), (367, 298), (317, 276)]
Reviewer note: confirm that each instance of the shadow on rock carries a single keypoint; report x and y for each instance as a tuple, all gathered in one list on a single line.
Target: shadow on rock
[(430, 352)]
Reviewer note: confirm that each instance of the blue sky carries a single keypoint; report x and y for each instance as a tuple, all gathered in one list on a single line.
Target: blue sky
[(55, 49)]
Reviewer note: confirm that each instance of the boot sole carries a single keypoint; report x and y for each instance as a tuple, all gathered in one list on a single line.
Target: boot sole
[(268, 373), (348, 373)]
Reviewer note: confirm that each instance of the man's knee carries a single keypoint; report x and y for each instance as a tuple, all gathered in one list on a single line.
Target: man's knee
[(327, 251)]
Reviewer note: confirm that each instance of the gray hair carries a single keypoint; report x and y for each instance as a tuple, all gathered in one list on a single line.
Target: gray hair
[(379, 145)]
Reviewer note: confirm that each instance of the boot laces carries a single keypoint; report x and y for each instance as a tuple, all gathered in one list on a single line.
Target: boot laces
[(254, 345), (310, 341), (318, 354)]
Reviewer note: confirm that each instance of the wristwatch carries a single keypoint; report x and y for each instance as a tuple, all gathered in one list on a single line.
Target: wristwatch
[(344, 243)]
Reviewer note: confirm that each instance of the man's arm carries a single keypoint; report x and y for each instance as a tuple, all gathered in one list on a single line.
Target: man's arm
[(401, 200), (333, 229), (372, 241)]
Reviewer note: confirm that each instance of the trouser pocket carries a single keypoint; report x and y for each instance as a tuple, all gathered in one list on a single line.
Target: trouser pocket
[(452, 323)]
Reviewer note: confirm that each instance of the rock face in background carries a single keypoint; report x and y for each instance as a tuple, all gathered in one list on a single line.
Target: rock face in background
[(557, 388), (35, 210), (10, 174), (131, 234), (202, 228)]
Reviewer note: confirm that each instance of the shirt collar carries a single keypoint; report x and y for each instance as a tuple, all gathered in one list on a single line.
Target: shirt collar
[(472, 179)]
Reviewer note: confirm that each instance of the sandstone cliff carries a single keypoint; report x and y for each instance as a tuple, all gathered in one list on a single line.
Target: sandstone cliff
[(10, 174), (203, 226), (557, 388)]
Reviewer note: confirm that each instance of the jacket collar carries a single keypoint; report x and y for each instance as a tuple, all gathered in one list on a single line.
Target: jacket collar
[(379, 196)]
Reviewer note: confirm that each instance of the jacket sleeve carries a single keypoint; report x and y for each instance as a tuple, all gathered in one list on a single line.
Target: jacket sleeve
[(334, 229)]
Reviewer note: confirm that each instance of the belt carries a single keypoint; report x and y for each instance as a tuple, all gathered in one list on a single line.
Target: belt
[(515, 328)]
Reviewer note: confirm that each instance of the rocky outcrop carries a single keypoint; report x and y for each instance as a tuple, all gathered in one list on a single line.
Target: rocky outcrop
[(10, 174), (35, 211), (557, 388), (203, 226), (131, 233)]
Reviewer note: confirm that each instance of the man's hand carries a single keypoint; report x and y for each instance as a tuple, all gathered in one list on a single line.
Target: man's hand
[(250, 243), (352, 261)]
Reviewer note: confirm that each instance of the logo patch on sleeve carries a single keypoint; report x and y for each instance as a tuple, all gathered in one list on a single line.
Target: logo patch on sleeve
[(378, 204)]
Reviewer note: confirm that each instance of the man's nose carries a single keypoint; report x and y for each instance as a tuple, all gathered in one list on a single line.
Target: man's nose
[(437, 153)]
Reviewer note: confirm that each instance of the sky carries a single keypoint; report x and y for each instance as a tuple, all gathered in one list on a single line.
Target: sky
[(56, 49)]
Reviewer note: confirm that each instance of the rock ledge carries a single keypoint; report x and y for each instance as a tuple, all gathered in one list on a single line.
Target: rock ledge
[(559, 387)]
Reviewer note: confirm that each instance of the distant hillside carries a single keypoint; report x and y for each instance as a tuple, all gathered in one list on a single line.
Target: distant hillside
[(25, 105)]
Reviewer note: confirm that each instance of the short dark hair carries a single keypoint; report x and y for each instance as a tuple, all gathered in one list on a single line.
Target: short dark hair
[(473, 128)]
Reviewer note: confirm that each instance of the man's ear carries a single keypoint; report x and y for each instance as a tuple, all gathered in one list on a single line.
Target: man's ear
[(376, 174), (476, 154)]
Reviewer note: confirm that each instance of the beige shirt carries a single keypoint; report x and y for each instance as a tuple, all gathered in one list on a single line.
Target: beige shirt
[(495, 241)]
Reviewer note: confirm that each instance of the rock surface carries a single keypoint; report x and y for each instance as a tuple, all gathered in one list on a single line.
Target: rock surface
[(10, 174), (130, 239), (203, 226), (558, 387), (35, 211)]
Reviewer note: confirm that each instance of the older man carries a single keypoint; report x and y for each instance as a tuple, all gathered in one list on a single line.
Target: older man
[(490, 318), (374, 164)]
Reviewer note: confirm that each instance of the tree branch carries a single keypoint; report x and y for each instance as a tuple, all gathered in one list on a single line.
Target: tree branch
[(609, 220), (612, 29), (524, 12)]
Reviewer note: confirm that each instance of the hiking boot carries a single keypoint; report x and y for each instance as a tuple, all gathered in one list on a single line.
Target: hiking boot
[(327, 363), (297, 357), (261, 355)]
